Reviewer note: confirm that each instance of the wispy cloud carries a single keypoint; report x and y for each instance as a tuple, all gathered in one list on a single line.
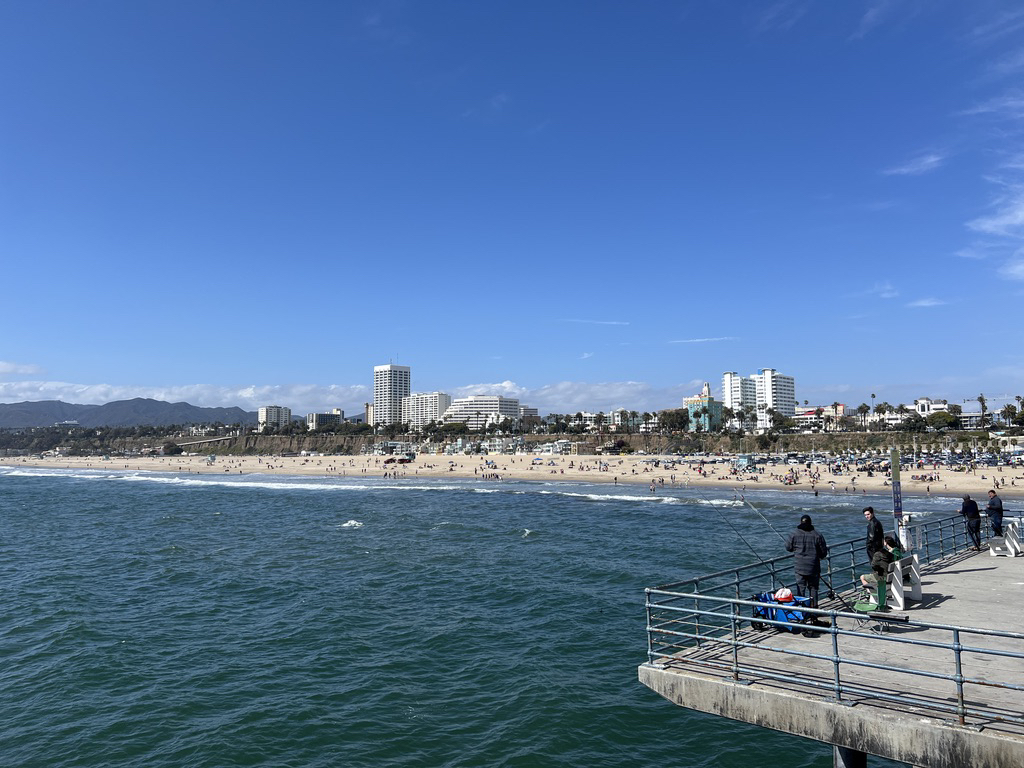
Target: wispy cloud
[(883, 290), (1007, 218), (1009, 106), (1006, 23), (1009, 63), (703, 341), (489, 108), (781, 16), (593, 322), (876, 14), (1014, 268), (586, 355), (18, 369), (920, 303), (920, 164)]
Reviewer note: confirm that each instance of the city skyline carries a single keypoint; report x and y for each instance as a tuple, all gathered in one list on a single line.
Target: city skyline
[(579, 208)]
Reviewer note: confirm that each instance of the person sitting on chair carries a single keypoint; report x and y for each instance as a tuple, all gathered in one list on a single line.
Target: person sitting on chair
[(880, 561)]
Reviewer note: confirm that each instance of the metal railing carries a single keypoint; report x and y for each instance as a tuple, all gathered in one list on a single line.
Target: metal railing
[(701, 622)]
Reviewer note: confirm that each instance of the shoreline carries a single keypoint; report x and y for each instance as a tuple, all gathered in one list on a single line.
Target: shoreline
[(670, 472)]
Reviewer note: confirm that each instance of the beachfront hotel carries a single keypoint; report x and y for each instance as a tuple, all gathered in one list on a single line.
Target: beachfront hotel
[(421, 408), (477, 411), (705, 412), (390, 384), (764, 390)]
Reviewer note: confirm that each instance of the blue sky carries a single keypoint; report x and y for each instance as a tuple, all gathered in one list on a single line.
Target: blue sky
[(587, 205)]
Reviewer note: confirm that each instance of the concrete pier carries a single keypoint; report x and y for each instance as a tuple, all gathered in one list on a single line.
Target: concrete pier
[(970, 589)]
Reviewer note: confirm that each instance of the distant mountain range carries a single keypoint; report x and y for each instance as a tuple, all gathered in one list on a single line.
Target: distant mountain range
[(123, 413)]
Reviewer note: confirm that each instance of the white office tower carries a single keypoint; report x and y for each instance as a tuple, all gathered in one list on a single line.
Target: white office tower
[(390, 384), (276, 416), (776, 392), (478, 411), (421, 408), (738, 392)]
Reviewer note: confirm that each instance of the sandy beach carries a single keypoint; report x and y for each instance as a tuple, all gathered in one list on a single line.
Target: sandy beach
[(656, 473)]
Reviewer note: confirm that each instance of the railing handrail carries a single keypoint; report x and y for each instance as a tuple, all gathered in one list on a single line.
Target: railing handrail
[(707, 612)]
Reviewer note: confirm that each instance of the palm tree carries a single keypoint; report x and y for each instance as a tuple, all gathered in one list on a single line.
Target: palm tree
[(863, 410), (633, 416), (982, 402)]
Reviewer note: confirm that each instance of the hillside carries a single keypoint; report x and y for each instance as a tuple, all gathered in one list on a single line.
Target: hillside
[(122, 413)]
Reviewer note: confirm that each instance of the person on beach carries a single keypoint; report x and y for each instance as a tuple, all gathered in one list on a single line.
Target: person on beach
[(809, 549), (972, 517), (880, 565), (874, 541), (995, 513)]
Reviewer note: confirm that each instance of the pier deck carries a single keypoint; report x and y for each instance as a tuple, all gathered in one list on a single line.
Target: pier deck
[(965, 590)]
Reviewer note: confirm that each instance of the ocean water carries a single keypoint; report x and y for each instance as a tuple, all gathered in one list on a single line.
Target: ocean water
[(173, 620)]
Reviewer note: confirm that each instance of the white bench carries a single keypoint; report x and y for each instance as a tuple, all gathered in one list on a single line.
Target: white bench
[(906, 582)]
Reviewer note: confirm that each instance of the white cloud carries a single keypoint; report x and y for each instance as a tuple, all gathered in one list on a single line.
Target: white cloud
[(1009, 106), (18, 369), (926, 303), (782, 15), (1013, 269), (876, 13), (585, 355), (301, 398), (883, 290), (1005, 24), (1007, 220), (917, 166)]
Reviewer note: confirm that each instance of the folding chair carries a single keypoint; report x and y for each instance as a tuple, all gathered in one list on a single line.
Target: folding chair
[(870, 608)]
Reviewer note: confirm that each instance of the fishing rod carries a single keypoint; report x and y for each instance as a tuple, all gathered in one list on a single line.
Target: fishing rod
[(735, 530), (828, 583)]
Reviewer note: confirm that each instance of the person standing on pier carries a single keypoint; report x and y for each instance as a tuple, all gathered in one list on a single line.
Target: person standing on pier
[(874, 541), (995, 513), (809, 549), (972, 516)]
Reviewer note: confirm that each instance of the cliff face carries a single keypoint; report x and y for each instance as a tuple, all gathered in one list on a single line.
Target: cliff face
[(250, 445)]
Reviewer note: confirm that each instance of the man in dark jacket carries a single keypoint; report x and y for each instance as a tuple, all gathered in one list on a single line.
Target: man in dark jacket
[(809, 548), (972, 516), (873, 543), (995, 513)]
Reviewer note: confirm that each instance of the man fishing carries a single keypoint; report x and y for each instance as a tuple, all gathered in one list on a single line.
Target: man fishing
[(809, 549)]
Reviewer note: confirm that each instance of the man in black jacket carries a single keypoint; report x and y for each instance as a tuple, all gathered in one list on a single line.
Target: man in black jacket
[(972, 516), (809, 548), (874, 540)]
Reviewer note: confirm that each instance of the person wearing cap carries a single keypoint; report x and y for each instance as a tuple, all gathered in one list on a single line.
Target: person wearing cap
[(972, 517), (873, 542), (809, 549)]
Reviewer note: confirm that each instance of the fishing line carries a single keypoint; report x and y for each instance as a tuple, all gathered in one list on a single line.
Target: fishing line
[(828, 583)]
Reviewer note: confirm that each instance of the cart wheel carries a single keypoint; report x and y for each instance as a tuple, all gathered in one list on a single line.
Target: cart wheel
[(757, 625)]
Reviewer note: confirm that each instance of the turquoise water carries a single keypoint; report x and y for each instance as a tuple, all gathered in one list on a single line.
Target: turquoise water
[(163, 620)]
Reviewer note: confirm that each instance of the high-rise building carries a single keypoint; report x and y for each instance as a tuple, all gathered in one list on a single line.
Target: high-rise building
[(276, 416), (764, 390), (775, 392), (738, 392), (421, 408), (390, 384)]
